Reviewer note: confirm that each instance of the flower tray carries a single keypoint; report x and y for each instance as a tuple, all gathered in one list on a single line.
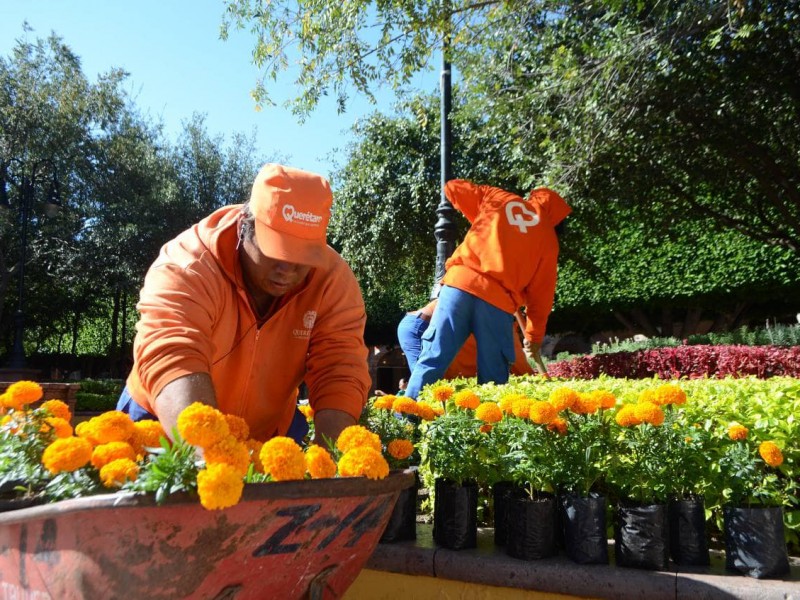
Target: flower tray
[(296, 539)]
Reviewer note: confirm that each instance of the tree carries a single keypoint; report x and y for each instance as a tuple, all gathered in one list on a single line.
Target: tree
[(691, 106), (50, 120), (618, 264)]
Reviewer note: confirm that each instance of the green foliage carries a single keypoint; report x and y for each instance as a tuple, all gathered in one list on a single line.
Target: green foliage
[(98, 395), (453, 447), (389, 427), (21, 447), (527, 454), (169, 470)]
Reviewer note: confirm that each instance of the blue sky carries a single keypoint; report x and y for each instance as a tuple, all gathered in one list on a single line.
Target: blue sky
[(178, 66)]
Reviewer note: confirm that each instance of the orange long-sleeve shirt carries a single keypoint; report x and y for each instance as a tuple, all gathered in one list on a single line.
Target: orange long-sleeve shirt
[(509, 256), (196, 318)]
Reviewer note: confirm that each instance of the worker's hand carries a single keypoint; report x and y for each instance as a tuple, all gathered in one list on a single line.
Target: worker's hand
[(533, 351)]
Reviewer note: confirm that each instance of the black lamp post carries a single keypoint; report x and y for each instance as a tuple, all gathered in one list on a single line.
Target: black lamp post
[(26, 198), (445, 228)]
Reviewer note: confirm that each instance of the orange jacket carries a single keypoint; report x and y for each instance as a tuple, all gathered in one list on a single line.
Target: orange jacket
[(510, 253), (196, 318), (465, 364)]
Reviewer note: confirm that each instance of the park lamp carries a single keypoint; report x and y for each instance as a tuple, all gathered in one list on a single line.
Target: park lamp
[(53, 205), (3, 191)]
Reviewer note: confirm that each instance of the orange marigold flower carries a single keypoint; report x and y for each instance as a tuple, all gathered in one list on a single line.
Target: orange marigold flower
[(363, 462), (521, 407), (230, 451), (384, 402), (202, 425), (563, 397), (485, 428), (647, 412), (118, 471), (254, 447), (489, 412), (442, 392), (67, 454), (147, 434), (237, 427), (219, 486), (586, 404), (57, 408), (541, 412), (670, 394), (357, 436), (319, 463), (111, 426), (771, 454), (84, 430), (60, 427), (105, 453), (738, 432), (400, 449), (467, 399), (648, 395), (605, 399), (506, 403), (283, 459), (407, 406), (559, 425), (306, 411), (426, 411), (626, 416), (20, 393)]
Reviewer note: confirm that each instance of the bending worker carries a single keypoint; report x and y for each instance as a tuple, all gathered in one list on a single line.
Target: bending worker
[(242, 307), (507, 259), (414, 324)]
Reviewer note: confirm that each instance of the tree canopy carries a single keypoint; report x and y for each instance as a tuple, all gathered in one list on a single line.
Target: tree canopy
[(692, 106), (124, 190)]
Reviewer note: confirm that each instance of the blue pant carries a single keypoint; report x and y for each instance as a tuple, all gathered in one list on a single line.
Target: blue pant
[(409, 334), (456, 316), (297, 430)]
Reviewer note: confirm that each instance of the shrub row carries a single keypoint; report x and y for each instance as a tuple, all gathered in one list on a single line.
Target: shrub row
[(684, 361)]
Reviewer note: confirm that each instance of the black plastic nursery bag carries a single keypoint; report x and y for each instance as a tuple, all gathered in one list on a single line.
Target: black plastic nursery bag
[(642, 537), (500, 498), (531, 527), (402, 525), (688, 543), (583, 520), (754, 541), (455, 515)]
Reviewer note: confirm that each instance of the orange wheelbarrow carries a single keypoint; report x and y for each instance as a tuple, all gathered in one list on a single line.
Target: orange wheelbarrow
[(297, 539)]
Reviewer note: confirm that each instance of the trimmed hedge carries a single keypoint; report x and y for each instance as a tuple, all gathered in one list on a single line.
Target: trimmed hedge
[(684, 361)]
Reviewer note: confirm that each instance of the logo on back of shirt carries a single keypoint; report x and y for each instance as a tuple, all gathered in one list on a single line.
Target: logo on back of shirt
[(308, 323), (520, 216)]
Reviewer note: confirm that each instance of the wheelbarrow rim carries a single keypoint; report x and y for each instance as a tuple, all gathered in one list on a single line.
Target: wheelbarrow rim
[(253, 492)]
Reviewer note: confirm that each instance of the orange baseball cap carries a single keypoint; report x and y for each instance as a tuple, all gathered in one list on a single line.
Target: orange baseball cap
[(291, 209)]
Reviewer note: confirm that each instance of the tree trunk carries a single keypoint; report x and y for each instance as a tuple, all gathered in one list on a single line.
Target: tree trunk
[(644, 322), (113, 350), (691, 322), (666, 322), (726, 319), (75, 327)]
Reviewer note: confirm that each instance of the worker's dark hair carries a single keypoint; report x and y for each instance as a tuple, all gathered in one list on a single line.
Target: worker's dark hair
[(560, 228)]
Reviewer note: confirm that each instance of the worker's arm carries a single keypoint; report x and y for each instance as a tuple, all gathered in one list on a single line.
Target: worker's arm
[(180, 393), (329, 423)]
